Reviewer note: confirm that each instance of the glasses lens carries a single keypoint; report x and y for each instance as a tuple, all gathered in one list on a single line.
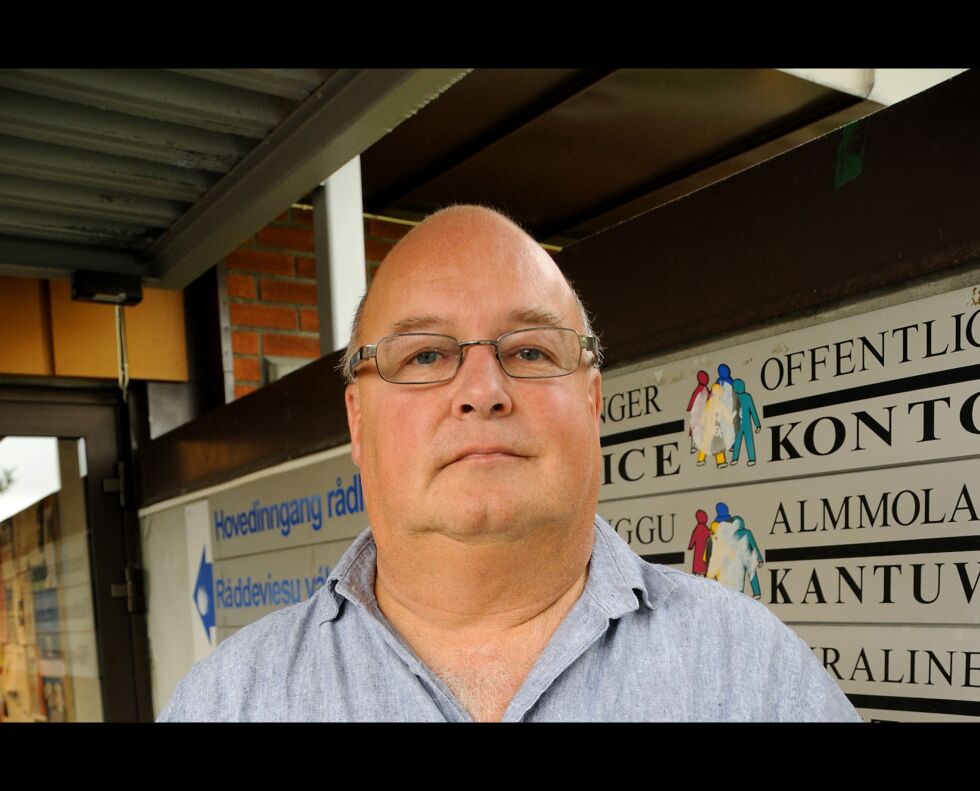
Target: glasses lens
[(538, 353), (417, 358)]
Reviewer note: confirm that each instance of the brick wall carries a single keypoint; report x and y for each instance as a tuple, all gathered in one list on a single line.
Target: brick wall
[(272, 292)]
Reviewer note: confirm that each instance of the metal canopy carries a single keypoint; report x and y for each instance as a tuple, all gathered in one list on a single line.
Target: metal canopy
[(163, 172)]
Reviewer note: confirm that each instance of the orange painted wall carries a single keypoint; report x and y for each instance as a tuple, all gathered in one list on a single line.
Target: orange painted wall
[(44, 333), (25, 328)]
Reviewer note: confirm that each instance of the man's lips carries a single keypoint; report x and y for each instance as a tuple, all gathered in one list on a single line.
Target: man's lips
[(485, 453)]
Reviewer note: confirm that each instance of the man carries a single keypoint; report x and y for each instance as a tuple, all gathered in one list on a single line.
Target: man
[(487, 588)]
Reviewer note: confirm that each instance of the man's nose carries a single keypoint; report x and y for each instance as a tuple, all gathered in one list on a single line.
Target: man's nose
[(482, 387)]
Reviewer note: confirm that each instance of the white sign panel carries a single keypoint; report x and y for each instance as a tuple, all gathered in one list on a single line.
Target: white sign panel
[(897, 385), (900, 544), (274, 540), (931, 671), (321, 502), (830, 472), (250, 586)]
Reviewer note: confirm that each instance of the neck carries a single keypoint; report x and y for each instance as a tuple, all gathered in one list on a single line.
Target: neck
[(460, 591), (480, 614)]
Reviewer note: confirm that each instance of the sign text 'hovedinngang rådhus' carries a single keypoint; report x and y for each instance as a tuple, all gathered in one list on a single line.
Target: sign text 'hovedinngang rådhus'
[(833, 473), (276, 539)]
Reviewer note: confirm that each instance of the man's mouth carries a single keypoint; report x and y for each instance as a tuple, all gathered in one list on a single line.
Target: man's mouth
[(485, 453)]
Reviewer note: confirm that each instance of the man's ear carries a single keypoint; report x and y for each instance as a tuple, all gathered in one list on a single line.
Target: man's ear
[(352, 399), (595, 394)]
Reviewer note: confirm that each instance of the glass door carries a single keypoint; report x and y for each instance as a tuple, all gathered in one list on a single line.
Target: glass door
[(48, 651), (73, 643)]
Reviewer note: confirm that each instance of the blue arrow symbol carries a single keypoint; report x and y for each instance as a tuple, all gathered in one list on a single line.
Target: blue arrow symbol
[(204, 595)]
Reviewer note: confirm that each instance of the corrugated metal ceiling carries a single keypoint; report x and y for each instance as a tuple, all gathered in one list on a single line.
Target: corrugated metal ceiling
[(112, 158)]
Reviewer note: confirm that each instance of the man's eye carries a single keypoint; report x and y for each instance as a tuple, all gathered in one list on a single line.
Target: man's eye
[(530, 355), (426, 358)]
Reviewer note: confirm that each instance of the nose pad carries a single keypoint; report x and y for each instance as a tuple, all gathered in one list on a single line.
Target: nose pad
[(481, 383)]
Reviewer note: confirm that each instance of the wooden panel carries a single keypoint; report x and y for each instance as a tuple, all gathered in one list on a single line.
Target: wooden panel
[(25, 328), (882, 200), (84, 335), (155, 340), (300, 414)]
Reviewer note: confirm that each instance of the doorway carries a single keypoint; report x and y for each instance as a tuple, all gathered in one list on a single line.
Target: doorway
[(72, 622)]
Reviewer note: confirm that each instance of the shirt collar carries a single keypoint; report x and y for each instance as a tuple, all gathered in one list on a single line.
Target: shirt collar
[(620, 581), (352, 578)]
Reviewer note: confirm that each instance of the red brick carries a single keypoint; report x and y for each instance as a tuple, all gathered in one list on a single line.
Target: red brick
[(289, 291), (284, 217), (242, 390), (291, 345), (309, 320), (263, 316), (247, 369), (302, 216), (286, 238), (375, 250), (245, 342), (241, 286), (305, 266), (387, 230), (260, 261)]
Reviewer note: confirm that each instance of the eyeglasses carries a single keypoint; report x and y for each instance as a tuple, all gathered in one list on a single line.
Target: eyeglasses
[(416, 358)]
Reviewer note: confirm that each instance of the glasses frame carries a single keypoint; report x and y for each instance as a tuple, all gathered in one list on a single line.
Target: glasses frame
[(369, 351)]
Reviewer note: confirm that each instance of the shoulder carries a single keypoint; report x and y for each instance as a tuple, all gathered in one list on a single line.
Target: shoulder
[(707, 606), (245, 677), (747, 649)]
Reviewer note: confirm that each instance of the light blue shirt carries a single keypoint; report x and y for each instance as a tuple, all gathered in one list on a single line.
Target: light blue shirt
[(642, 643)]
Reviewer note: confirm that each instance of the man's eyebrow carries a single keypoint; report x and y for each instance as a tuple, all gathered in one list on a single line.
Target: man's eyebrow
[(417, 323), (534, 317), (537, 317)]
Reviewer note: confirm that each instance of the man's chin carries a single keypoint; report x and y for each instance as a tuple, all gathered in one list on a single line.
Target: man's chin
[(487, 521)]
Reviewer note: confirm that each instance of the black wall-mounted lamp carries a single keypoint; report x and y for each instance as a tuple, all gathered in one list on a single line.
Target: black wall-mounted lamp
[(106, 287)]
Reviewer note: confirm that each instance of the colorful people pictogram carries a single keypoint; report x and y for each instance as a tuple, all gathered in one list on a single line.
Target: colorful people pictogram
[(722, 419), (746, 417), (696, 407), (699, 543), (731, 554)]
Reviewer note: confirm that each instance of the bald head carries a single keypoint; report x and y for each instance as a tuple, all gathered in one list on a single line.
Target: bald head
[(450, 247)]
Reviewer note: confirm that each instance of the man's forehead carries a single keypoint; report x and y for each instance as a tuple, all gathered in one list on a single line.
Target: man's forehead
[(468, 264), (516, 318)]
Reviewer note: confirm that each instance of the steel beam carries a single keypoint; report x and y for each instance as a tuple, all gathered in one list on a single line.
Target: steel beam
[(288, 83), (157, 94), (66, 228), (63, 123), (69, 200), (31, 159), (52, 260), (345, 116)]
